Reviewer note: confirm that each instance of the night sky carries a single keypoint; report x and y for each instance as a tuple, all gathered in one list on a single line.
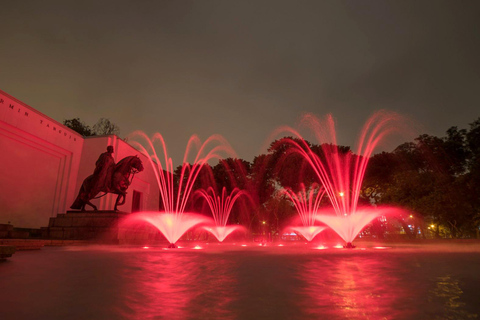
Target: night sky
[(243, 68)]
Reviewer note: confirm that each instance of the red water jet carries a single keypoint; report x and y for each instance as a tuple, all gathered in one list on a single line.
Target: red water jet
[(173, 222), (221, 206), (307, 204), (341, 172)]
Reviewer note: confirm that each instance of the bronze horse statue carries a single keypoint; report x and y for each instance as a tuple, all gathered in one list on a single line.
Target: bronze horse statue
[(120, 180)]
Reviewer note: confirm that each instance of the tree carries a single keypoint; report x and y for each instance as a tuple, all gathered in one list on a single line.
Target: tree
[(434, 177), (262, 180), (79, 126), (232, 173), (105, 127), (289, 166), (472, 178), (102, 127)]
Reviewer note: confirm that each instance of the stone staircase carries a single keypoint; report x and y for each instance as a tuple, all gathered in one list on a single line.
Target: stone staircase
[(101, 226)]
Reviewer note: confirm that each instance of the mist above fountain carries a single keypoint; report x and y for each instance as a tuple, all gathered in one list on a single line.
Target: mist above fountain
[(307, 204), (171, 225), (221, 207), (341, 172), (175, 192)]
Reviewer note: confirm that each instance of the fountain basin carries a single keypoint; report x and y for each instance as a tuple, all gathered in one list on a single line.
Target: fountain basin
[(226, 281)]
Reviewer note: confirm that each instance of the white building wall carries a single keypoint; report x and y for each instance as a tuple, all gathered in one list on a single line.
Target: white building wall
[(44, 163), (39, 161)]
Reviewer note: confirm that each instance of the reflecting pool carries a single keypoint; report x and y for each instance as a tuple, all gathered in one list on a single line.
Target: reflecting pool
[(234, 282)]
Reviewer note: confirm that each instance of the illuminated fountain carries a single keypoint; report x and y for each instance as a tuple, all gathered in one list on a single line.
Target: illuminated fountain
[(221, 206), (173, 222), (307, 205), (341, 172)]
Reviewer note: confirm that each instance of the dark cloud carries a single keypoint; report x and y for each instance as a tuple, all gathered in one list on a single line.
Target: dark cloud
[(242, 68)]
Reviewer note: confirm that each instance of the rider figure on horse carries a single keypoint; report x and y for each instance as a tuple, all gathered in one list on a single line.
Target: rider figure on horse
[(108, 177), (102, 176)]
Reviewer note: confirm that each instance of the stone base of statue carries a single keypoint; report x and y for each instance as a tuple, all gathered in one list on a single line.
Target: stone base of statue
[(6, 251), (103, 227)]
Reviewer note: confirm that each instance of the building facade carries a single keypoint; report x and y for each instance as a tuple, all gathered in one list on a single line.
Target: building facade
[(43, 164)]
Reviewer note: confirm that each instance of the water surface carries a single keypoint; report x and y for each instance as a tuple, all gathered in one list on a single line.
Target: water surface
[(102, 282)]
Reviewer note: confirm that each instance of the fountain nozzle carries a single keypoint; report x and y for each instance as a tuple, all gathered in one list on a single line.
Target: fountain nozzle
[(349, 245)]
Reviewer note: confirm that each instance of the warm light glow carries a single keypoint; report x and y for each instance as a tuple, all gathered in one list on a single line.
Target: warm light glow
[(264, 222), (321, 247), (341, 194), (411, 216), (338, 246), (280, 245), (433, 226), (244, 245), (197, 248), (146, 247), (381, 248)]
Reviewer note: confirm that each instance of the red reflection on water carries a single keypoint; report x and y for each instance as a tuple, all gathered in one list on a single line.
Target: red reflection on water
[(176, 286), (352, 287)]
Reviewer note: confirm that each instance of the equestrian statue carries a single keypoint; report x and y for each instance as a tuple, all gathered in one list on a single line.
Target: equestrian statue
[(108, 177)]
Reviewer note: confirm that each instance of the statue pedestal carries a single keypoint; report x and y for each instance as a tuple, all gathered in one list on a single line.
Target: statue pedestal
[(101, 226), (6, 251)]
